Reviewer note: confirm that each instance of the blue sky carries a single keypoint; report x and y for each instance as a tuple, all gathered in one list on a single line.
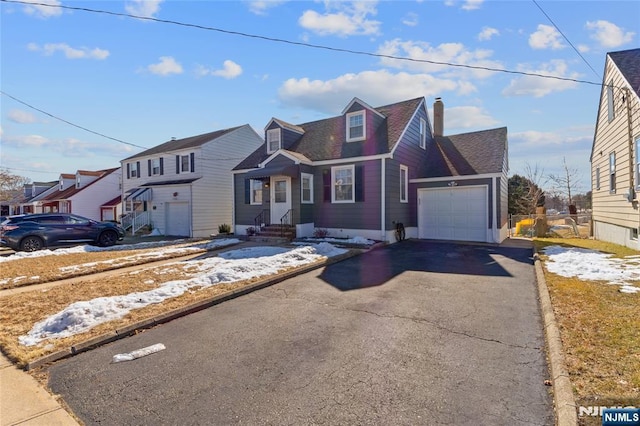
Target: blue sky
[(144, 82)]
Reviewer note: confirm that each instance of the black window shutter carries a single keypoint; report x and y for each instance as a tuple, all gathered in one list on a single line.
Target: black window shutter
[(161, 165), (128, 171), (247, 191), (149, 166), (359, 180), (177, 164), (326, 185), (192, 160), (138, 168)]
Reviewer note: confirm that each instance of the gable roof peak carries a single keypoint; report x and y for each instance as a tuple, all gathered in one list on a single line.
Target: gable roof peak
[(357, 100), (284, 125)]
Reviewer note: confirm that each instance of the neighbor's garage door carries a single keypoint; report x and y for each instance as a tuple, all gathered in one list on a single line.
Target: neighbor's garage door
[(457, 213), (178, 219)]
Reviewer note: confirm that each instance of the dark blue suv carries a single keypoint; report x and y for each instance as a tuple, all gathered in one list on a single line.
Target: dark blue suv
[(37, 231)]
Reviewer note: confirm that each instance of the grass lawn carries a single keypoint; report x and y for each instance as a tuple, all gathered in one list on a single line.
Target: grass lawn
[(600, 331)]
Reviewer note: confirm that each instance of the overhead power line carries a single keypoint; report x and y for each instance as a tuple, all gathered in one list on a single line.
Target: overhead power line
[(302, 44), (566, 38), (69, 122)]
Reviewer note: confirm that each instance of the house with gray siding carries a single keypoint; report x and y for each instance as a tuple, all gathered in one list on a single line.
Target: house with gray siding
[(367, 170)]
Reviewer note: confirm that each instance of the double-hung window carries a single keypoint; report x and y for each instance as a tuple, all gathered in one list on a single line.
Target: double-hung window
[(256, 191), (612, 172), (155, 166), (404, 184), (356, 126), (306, 195), (134, 170), (343, 182), (423, 133), (273, 140), (184, 163)]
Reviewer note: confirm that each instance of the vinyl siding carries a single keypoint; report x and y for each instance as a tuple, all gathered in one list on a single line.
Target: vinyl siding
[(87, 202), (613, 208)]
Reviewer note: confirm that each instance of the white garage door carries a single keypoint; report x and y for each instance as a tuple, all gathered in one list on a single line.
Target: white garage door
[(178, 219), (458, 213)]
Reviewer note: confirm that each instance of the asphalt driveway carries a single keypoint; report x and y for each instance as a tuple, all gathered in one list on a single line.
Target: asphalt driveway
[(415, 333)]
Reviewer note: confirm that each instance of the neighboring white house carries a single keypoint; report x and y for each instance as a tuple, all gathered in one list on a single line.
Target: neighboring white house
[(183, 187), (615, 155)]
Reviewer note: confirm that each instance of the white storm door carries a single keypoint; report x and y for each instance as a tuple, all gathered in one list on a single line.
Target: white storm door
[(280, 197)]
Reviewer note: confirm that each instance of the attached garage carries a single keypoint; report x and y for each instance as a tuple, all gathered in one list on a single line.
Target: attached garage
[(178, 219), (458, 213)]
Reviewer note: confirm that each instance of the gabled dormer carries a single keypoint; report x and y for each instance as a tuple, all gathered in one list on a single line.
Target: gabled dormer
[(281, 135), (85, 177), (361, 120), (65, 181)]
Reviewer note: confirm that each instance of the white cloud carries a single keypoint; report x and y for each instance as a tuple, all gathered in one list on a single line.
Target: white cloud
[(166, 66), (411, 19), (451, 53), (374, 87), (40, 11), (261, 7), (609, 35), (466, 117), (230, 70), (466, 5), (538, 87), (348, 19), (27, 141), (21, 116), (487, 33), (145, 8), (547, 37), (69, 52)]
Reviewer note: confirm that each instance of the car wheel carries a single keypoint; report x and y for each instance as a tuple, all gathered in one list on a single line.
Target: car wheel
[(31, 244), (107, 238)]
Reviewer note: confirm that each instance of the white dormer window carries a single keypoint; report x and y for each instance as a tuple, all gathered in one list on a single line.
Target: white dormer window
[(61, 184), (273, 140), (356, 125), (77, 181)]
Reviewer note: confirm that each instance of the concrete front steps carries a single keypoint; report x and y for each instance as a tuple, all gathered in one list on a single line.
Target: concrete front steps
[(275, 234)]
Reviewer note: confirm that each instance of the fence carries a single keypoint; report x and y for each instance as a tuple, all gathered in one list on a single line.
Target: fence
[(556, 226)]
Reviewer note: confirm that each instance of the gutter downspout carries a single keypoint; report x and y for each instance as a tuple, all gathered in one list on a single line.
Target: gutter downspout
[(383, 196), (632, 187)]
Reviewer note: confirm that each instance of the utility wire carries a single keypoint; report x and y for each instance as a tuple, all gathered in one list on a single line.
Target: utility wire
[(297, 43), (70, 123), (566, 38)]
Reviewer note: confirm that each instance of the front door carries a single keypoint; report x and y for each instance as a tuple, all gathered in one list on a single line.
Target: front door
[(280, 197)]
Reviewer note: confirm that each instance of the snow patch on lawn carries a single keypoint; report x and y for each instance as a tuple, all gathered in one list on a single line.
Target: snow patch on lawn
[(231, 266), (592, 265)]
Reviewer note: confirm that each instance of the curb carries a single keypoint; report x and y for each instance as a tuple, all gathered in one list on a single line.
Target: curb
[(180, 312), (563, 398)]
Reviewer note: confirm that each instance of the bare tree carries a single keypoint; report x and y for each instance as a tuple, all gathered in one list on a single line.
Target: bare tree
[(566, 183), (525, 192), (11, 185)]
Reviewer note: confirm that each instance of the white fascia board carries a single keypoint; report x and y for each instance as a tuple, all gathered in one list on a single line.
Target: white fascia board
[(456, 178), (396, 143), (285, 153), (350, 160), (364, 104)]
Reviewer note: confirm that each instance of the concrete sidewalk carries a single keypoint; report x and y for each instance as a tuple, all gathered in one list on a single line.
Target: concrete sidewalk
[(24, 402)]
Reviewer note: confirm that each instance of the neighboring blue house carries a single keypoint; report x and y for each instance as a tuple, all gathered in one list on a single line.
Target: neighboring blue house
[(365, 171)]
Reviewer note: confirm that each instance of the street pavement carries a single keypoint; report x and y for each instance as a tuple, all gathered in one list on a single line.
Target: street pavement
[(413, 333)]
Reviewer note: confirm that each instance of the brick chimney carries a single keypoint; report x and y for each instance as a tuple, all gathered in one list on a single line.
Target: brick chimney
[(438, 117)]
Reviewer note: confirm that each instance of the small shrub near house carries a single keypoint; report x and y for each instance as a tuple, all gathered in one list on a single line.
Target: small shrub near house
[(224, 229), (320, 233)]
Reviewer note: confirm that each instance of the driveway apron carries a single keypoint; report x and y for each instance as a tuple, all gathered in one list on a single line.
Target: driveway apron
[(417, 332)]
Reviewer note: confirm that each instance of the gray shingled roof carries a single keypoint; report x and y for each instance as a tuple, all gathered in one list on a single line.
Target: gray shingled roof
[(325, 139), (628, 62), (178, 144), (467, 153)]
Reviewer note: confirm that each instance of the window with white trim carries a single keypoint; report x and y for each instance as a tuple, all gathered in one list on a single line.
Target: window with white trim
[(404, 184), (256, 191), (423, 133), (306, 188), (637, 171), (610, 106), (155, 166), (134, 172), (343, 182), (612, 172), (356, 126), (274, 140), (185, 163)]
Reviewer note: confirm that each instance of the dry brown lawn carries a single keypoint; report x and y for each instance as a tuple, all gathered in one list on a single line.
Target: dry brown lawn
[(37, 270), (19, 312), (600, 331)]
